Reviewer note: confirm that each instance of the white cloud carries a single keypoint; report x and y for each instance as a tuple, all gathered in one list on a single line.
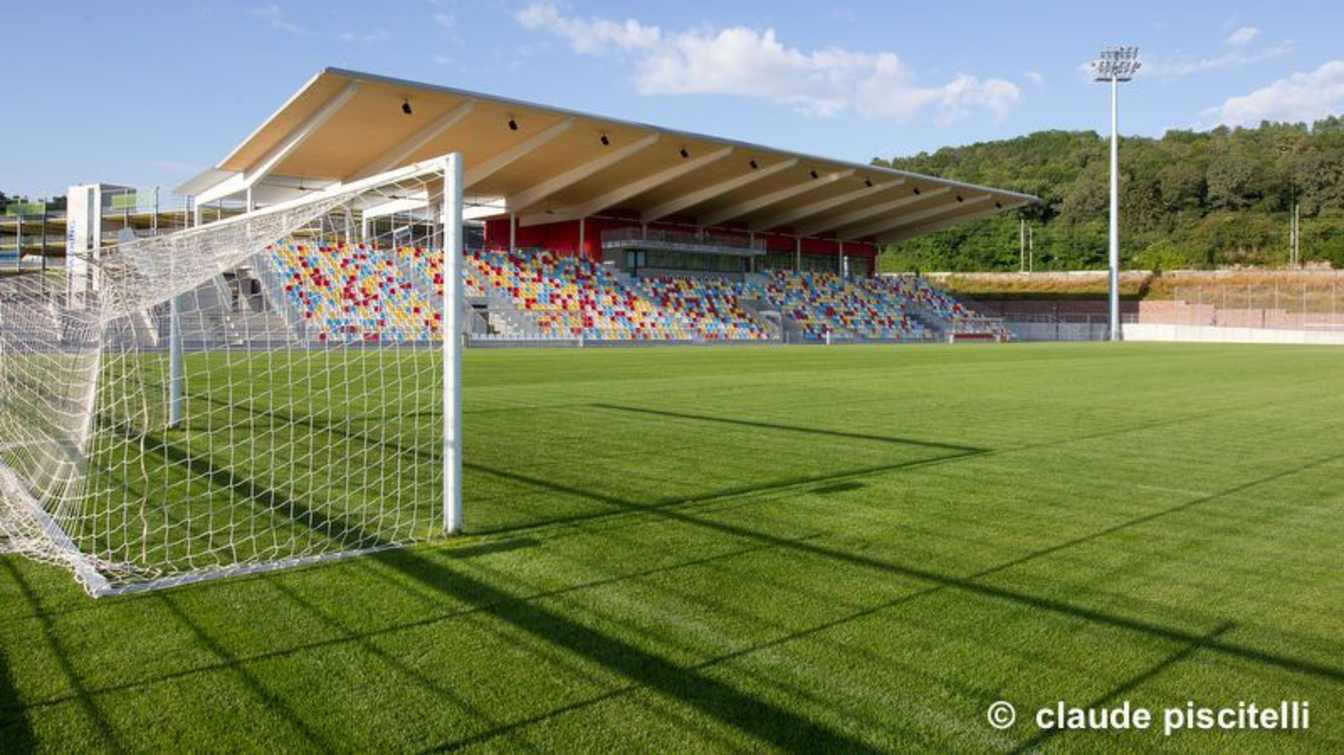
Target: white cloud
[(747, 62), (446, 20), (276, 17), (1243, 36), (1177, 68), (1300, 97), (588, 36), (1035, 77)]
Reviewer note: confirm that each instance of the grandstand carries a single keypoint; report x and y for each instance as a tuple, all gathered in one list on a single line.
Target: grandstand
[(362, 293)]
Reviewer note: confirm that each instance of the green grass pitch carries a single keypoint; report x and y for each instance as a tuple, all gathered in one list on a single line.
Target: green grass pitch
[(846, 549)]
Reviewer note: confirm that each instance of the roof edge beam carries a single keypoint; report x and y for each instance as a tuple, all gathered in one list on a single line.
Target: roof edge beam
[(268, 163), (807, 211), (632, 189), (774, 197), (403, 150), (850, 218), (226, 188), (530, 196), (515, 153), (889, 224), (699, 196)]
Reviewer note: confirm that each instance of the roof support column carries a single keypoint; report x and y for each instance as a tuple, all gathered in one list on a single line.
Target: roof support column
[(513, 232), (840, 257), (580, 253), (798, 254)]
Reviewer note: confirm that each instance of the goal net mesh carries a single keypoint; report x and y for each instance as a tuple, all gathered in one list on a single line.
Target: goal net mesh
[(303, 419)]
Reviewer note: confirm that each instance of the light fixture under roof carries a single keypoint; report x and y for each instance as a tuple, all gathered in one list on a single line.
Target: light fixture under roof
[(513, 125), (685, 153), (606, 141), (406, 107), (754, 165)]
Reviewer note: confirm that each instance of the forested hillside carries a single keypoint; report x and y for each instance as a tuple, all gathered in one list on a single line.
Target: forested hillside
[(1188, 200)]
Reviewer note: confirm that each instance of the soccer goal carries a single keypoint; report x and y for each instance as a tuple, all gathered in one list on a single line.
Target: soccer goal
[(276, 388)]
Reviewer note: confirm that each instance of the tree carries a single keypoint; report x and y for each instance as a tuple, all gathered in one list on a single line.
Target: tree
[(1187, 199)]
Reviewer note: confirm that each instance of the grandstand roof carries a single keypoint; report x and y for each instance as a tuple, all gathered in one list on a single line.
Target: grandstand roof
[(548, 164)]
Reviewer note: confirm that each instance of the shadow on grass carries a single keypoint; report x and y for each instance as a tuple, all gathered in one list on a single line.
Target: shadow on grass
[(1145, 519), (433, 453), (667, 509), (964, 450), (839, 487), (969, 584), (1133, 683), (273, 702), (365, 642), (496, 546), (757, 718), (79, 691), (15, 731), (272, 501), (763, 720)]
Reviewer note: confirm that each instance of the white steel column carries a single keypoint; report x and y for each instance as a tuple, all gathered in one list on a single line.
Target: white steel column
[(1115, 212), (797, 254), (176, 358), (452, 343), (513, 232), (176, 363), (580, 254)]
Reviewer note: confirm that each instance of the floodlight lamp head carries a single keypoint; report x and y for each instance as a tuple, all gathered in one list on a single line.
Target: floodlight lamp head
[(1117, 63)]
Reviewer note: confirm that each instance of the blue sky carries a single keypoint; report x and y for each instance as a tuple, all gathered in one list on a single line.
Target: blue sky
[(150, 93)]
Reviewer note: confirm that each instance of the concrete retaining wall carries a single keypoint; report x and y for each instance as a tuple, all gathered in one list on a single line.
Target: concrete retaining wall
[(1211, 334)]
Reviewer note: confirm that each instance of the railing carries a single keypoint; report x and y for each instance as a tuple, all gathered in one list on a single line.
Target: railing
[(1058, 328), (680, 240)]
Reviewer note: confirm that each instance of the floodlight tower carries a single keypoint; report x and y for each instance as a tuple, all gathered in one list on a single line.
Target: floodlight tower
[(1115, 64)]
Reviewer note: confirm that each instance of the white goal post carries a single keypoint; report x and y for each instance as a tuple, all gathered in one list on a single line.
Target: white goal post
[(275, 388)]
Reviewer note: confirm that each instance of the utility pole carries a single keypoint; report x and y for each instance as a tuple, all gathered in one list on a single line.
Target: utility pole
[(1297, 234), (1114, 65), (1022, 245)]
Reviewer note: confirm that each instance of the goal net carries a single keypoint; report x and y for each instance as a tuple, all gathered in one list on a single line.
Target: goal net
[(263, 391)]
